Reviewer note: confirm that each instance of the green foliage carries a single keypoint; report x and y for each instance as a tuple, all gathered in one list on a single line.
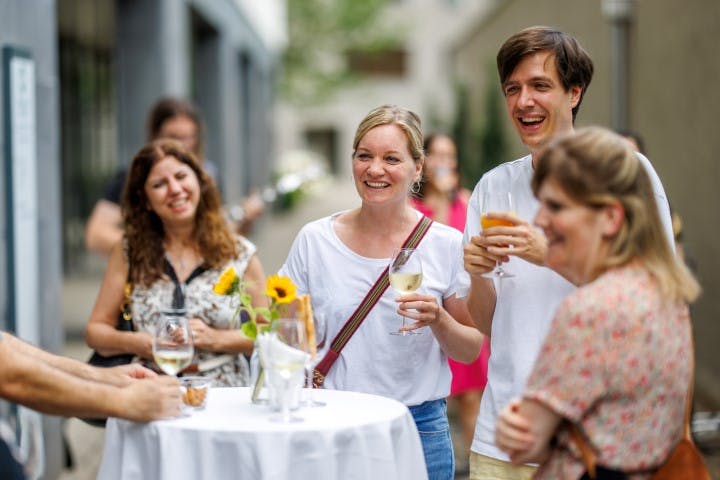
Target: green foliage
[(320, 32), (493, 144), (479, 149), (462, 132)]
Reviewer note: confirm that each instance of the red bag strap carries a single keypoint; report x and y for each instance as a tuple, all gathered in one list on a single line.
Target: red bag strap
[(362, 310)]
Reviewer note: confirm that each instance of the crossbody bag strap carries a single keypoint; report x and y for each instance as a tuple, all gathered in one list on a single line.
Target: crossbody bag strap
[(362, 310)]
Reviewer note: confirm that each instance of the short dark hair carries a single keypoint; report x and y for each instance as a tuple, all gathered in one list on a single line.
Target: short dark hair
[(167, 108), (573, 64)]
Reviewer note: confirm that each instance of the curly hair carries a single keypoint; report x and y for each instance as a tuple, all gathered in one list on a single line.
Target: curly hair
[(144, 230)]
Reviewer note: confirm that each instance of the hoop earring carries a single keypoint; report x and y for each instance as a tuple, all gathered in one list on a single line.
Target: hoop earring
[(415, 188)]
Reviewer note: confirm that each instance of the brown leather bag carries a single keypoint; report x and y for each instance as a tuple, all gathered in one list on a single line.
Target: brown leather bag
[(685, 461)]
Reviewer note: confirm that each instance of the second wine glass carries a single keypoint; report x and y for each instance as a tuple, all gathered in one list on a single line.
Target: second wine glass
[(286, 356), (322, 344), (405, 271)]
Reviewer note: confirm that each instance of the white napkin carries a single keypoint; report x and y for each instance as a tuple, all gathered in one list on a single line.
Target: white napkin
[(274, 350)]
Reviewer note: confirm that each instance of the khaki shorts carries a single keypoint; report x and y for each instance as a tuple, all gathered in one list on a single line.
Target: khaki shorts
[(488, 468)]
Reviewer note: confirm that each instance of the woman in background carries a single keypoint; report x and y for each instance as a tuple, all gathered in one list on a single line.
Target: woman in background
[(176, 245), (442, 198)]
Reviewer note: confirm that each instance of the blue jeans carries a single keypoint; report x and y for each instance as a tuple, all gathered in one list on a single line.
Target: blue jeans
[(432, 424)]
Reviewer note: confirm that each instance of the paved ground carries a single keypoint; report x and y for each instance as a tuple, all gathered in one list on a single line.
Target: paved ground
[(273, 235)]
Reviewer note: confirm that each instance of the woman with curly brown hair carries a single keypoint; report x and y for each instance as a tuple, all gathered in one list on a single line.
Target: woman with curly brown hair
[(176, 244)]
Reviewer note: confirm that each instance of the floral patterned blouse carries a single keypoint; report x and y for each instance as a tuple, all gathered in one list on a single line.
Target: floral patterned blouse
[(616, 362), (226, 370)]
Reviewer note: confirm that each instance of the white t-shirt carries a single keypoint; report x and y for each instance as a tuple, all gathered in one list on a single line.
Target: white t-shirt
[(411, 369), (526, 303)]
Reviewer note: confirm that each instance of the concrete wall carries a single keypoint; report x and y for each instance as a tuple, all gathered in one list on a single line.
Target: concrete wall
[(673, 103)]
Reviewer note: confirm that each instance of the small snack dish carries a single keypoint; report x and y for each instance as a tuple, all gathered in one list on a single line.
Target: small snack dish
[(195, 391)]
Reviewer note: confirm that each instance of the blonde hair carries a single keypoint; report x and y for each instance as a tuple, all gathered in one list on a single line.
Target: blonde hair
[(407, 120), (597, 167)]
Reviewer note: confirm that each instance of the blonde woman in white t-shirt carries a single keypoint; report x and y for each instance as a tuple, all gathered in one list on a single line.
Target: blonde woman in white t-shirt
[(338, 258)]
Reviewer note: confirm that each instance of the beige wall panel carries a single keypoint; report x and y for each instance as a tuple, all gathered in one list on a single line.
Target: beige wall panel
[(676, 100)]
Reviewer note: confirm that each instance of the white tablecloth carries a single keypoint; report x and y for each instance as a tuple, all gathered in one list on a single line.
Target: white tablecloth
[(356, 436)]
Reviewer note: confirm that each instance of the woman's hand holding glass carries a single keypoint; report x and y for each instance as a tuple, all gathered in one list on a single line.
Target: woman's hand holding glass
[(405, 271)]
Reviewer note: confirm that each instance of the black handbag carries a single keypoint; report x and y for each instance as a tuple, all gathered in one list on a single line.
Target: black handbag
[(125, 324)]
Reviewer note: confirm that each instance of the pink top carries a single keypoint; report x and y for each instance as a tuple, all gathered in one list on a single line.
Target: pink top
[(616, 361), (456, 215), (466, 377)]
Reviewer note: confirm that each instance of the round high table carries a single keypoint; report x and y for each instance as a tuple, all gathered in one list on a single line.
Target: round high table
[(356, 436)]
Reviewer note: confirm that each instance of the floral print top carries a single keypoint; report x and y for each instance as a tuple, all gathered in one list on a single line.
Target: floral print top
[(200, 302), (616, 362)]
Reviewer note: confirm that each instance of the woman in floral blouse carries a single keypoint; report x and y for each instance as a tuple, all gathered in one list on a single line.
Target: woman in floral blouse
[(176, 244), (616, 361)]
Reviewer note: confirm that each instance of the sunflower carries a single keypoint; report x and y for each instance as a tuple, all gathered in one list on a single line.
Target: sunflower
[(227, 283), (280, 289)]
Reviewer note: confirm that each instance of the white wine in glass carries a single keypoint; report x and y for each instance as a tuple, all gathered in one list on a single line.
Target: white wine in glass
[(405, 272), (496, 202), (173, 344)]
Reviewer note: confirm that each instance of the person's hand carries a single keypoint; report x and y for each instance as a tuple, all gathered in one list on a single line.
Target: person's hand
[(151, 399), (476, 257), (125, 374), (521, 240), (512, 432), (204, 336), (422, 308)]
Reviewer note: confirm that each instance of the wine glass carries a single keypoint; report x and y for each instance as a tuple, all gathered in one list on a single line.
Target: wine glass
[(496, 202), (173, 344), (322, 344), (286, 357), (405, 271)]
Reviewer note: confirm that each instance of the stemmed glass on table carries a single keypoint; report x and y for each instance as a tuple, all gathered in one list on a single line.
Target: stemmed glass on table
[(286, 357), (322, 345), (172, 343), (496, 202), (405, 271)]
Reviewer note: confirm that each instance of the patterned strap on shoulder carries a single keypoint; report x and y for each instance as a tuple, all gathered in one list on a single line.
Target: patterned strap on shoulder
[(372, 297)]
